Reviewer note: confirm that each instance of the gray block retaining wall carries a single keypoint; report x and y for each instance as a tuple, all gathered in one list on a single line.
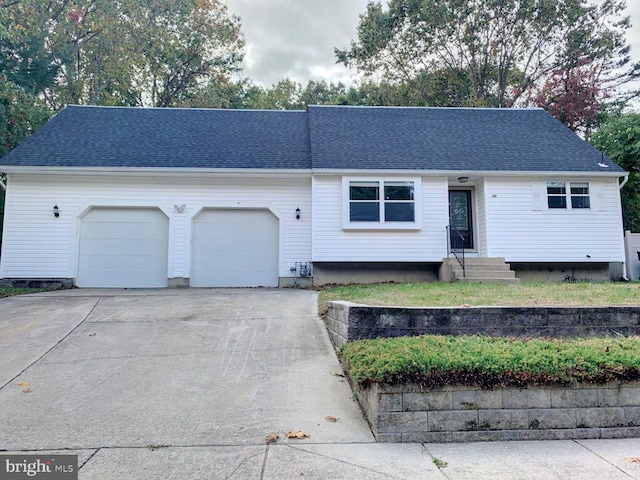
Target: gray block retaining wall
[(348, 321), (411, 414)]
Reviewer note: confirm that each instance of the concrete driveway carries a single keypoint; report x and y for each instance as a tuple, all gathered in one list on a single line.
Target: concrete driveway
[(186, 384), (146, 384)]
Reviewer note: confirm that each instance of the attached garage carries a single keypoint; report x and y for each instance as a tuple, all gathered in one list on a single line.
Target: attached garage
[(235, 248), (123, 248)]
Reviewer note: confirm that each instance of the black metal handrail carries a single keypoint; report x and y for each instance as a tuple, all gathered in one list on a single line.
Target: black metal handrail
[(455, 245)]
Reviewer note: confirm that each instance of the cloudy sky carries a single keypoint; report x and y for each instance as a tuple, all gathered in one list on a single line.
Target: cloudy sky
[(296, 38)]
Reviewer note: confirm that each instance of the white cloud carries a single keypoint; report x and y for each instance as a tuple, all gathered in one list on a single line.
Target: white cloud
[(296, 38)]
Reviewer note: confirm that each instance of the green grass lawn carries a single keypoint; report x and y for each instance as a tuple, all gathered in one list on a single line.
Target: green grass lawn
[(8, 292), (489, 362), (438, 294), (435, 361)]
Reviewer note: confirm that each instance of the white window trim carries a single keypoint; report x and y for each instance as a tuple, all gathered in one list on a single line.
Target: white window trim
[(563, 211), (381, 225)]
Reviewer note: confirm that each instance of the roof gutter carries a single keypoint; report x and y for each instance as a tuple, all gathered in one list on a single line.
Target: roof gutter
[(475, 173), (160, 171)]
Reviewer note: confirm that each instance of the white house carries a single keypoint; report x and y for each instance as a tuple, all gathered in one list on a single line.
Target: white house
[(133, 197)]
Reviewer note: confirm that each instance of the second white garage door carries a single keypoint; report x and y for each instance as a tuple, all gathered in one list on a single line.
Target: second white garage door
[(235, 248)]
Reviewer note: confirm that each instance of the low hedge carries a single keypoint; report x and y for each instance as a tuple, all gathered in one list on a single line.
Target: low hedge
[(488, 362)]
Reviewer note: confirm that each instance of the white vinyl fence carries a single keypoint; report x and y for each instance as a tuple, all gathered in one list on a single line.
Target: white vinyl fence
[(632, 249)]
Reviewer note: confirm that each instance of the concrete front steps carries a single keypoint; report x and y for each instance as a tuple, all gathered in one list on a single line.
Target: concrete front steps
[(488, 270)]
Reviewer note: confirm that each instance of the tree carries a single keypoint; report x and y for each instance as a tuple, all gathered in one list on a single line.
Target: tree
[(499, 49), (323, 93), (126, 52), (185, 46), (573, 96), (21, 114), (26, 59), (619, 138)]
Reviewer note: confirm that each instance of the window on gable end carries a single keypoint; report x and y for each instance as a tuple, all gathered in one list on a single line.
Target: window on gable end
[(556, 195), (580, 195), (575, 197)]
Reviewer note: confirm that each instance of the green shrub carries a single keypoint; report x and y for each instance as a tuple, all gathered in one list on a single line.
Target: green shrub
[(435, 361)]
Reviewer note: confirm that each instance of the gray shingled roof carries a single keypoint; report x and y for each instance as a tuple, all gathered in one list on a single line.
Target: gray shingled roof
[(465, 139), (323, 137), (168, 137)]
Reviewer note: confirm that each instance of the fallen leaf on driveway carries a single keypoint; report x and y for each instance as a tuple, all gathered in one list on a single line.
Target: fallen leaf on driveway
[(298, 434), (331, 418), (271, 438), (633, 459), (26, 390), (24, 384), (92, 334)]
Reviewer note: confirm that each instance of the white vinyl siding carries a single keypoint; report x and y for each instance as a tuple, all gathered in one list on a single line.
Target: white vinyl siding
[(235, 248), (481, 218), (36, 244), (521, 230), (333, 243)]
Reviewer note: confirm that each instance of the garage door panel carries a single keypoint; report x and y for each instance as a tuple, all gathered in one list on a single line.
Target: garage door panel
[(123, 248), (235, 248)]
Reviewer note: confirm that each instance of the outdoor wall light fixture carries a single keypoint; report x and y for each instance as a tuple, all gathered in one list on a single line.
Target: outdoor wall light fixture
[(56, 211), (463, 179), (298, 213)]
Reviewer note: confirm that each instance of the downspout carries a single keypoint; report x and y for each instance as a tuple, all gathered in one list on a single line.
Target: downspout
[(624, 182), (3, 185), (624, 264)]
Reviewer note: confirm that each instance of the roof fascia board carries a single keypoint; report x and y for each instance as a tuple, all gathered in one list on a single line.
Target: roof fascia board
[(282, 173), (479, 173), (155, 172)]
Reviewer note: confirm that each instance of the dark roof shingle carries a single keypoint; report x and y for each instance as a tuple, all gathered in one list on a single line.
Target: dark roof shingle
[(81, 136), (323, 137), (465, 139)]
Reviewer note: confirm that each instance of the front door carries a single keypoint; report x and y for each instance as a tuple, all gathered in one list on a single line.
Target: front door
[(460, 219)]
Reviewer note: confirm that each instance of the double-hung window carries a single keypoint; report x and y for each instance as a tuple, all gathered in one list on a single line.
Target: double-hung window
[(364, 202), (568, 195), (580, 195), (380, 202)]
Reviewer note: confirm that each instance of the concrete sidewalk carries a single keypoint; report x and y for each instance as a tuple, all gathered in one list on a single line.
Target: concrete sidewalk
[(186, 384)]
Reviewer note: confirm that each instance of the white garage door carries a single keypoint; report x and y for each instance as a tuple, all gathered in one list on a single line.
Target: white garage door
[(235, 248), (123, 248)]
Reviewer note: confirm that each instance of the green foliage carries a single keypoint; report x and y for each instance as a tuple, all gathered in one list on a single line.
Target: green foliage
[(286, 94), (619, 138), (11, 291), (435, 361), (130, 52), (487, 53), (21, 114), (440, 463)]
